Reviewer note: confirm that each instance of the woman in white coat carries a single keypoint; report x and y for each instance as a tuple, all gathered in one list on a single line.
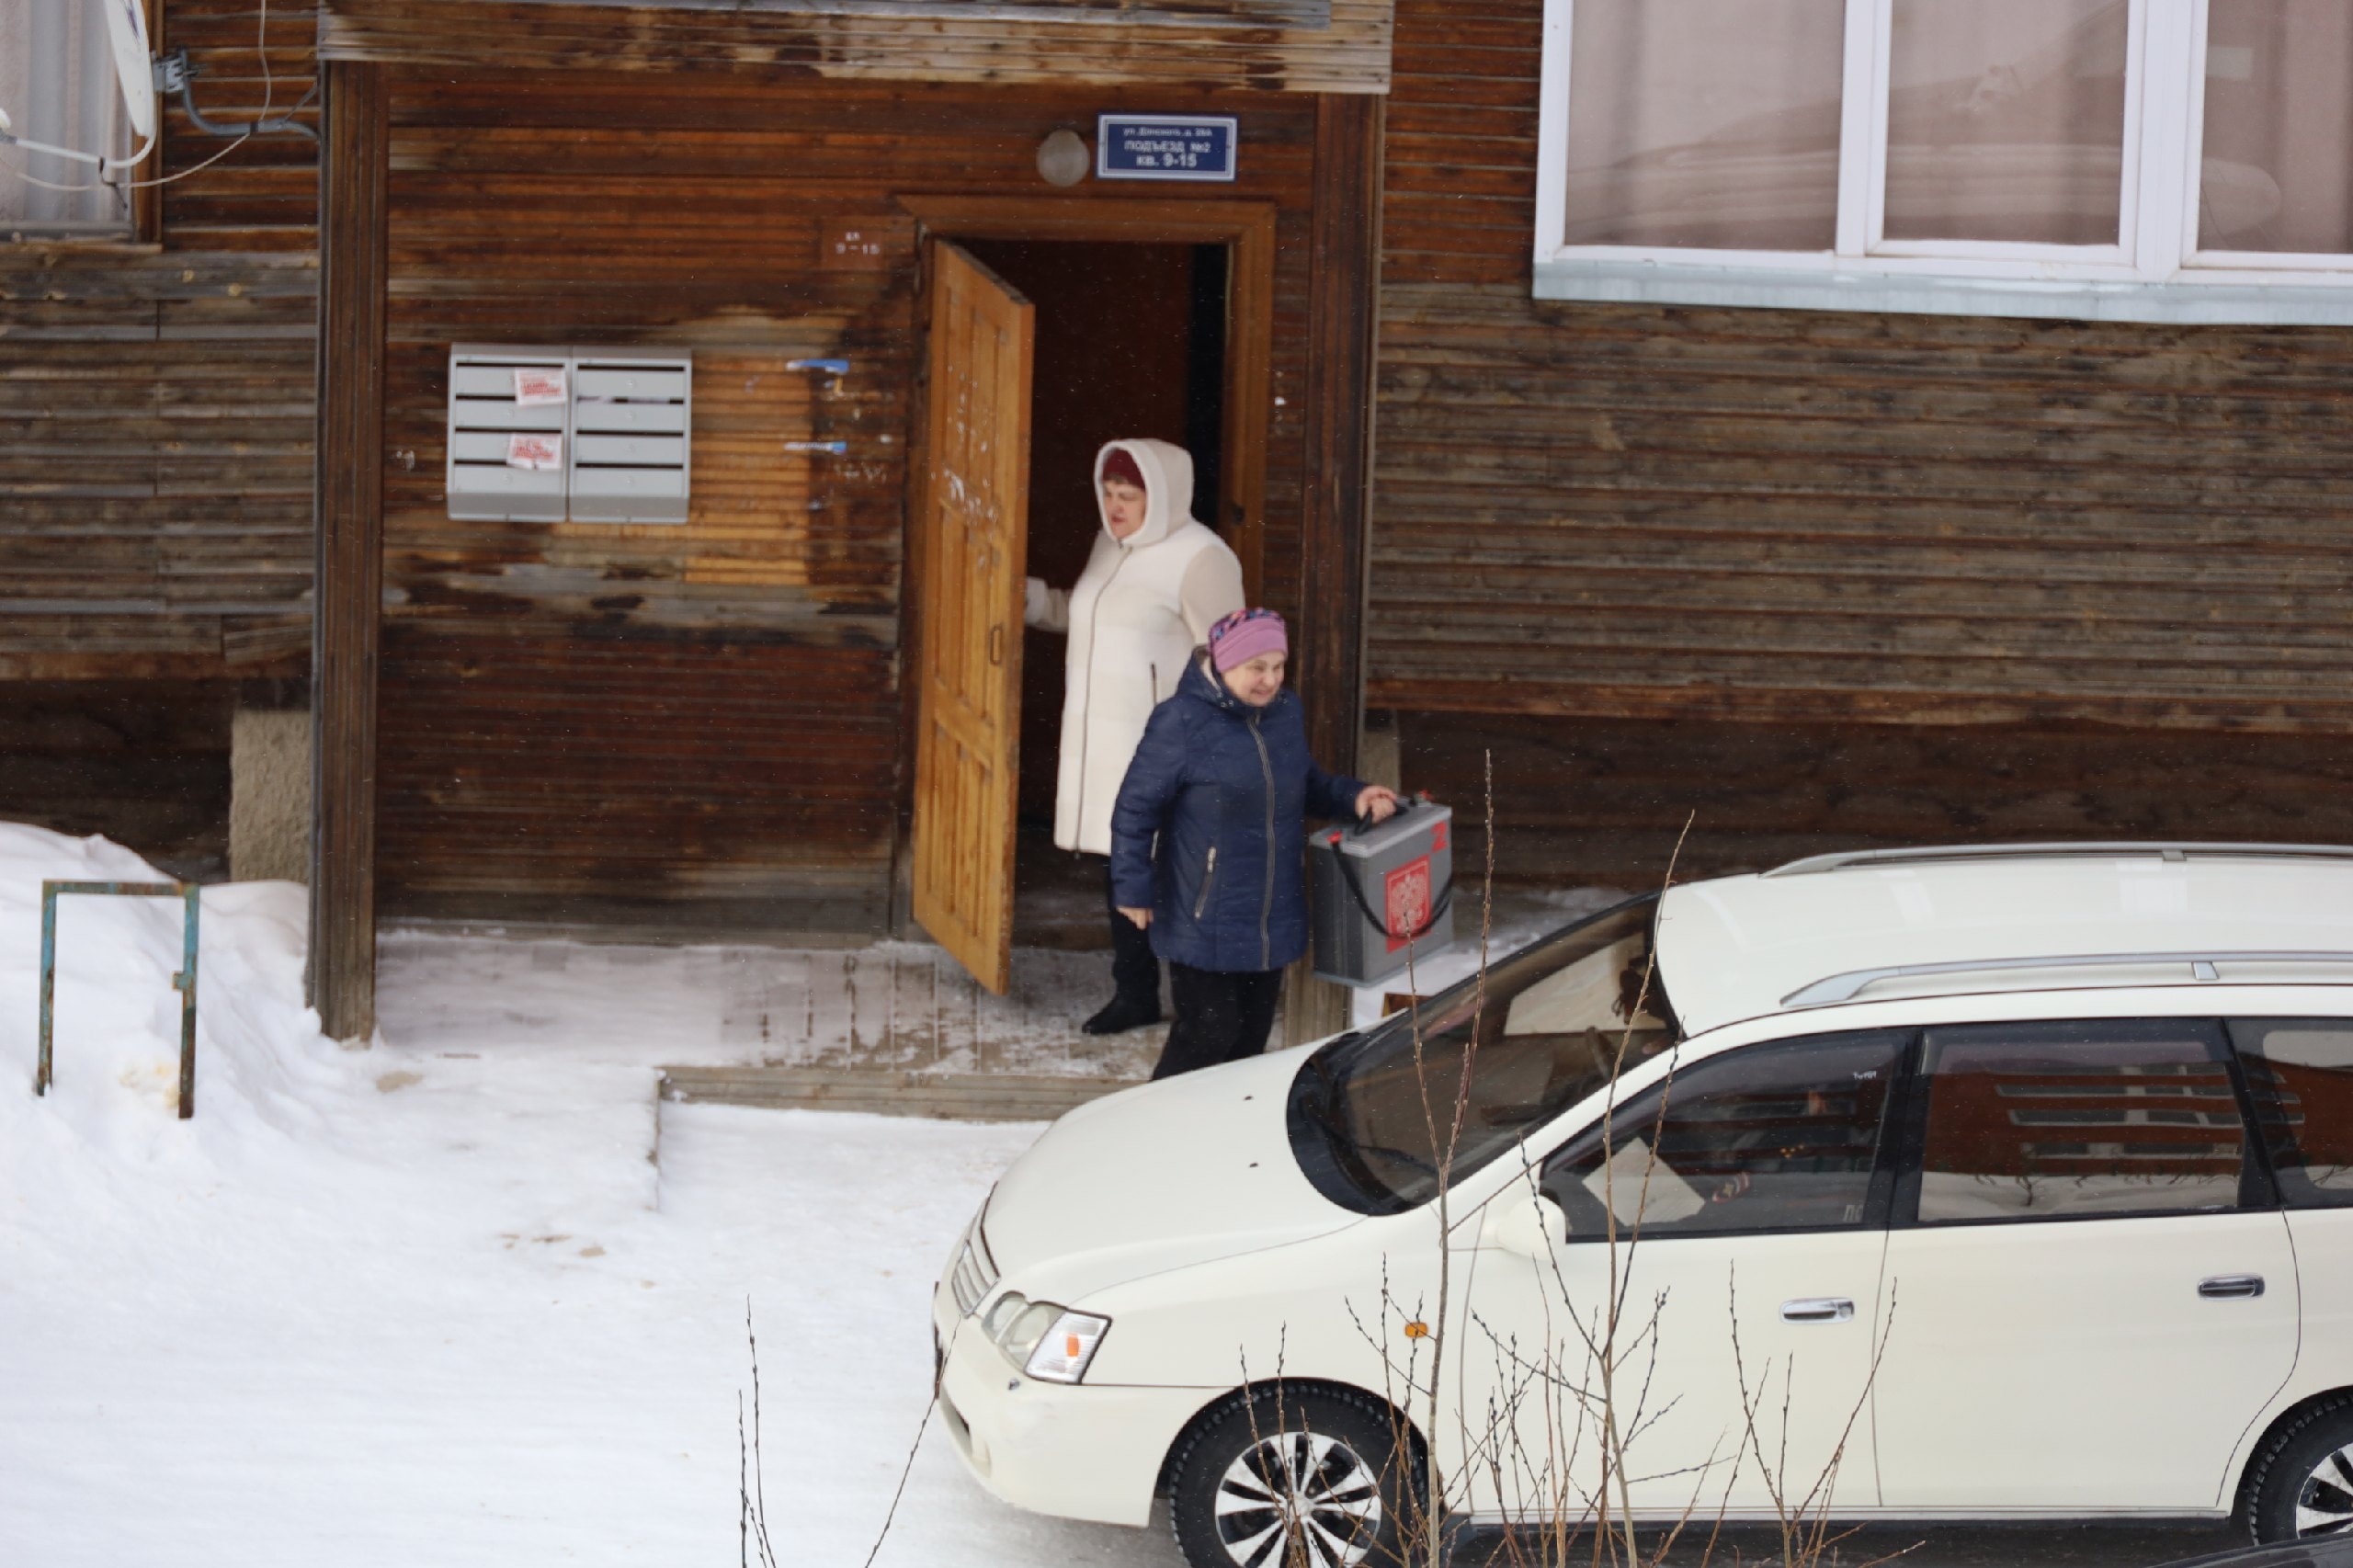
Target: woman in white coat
[(1155, 584)]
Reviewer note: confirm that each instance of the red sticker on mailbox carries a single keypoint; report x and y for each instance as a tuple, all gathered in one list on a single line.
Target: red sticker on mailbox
[(535, 451), (539, 387)]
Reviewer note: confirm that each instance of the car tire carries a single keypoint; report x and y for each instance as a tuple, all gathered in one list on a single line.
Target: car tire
[(1324, 1461), (2301, 1484)]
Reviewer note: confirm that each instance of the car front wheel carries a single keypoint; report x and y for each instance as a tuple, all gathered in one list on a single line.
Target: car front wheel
[(2301, 1485), (1321, 1477)]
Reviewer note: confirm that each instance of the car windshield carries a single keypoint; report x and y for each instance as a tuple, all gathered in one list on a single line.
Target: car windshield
[(1370, 1116)]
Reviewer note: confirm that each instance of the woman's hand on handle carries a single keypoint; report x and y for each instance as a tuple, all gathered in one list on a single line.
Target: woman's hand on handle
[(1376, 802), (1142, 917)]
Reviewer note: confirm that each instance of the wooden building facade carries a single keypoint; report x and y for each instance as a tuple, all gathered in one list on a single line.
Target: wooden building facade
[(1815, 578), (156, 417), (717, 724), (1801, 578)]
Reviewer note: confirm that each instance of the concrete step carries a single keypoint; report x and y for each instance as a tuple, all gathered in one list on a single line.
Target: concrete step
[(950, 1097)]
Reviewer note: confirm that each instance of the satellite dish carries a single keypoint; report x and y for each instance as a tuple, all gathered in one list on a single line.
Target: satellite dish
[(127, 29)]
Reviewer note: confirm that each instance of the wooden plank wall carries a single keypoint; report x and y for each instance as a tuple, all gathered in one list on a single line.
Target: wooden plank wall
[(1728, 519), (157, 408), (156, 405), (264, 195), (1191, 14), (1607, 801), (1143, 46), (154, 463), (697, 722)]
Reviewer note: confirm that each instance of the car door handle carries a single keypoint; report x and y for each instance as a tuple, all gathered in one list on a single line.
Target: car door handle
[(2223, 1287), (1818, 1309)]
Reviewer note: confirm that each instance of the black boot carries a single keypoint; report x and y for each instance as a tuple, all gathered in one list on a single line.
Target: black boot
[(1124, 1012)]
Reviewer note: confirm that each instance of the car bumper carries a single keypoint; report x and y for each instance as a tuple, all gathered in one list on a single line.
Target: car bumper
[(1076, 1451)]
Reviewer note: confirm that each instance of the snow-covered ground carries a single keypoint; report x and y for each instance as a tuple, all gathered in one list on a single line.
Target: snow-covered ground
[(470, 1295), (435, 1302)]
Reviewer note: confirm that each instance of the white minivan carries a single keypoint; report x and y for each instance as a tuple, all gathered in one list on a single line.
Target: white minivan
[(2006, 1183)]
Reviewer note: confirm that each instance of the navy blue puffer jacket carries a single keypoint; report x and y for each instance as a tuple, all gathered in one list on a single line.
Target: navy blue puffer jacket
[(1211, 833)]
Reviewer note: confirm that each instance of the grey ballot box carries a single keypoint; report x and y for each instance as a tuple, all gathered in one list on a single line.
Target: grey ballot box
[(1381, 891)]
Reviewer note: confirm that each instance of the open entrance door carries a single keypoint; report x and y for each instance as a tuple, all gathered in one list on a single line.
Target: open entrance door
[(972, 534)]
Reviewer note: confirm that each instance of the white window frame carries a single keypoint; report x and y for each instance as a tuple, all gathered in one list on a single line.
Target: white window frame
[(2155, 272)]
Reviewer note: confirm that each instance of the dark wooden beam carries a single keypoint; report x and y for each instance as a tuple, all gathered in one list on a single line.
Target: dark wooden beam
[(342, 979), (1303, 46), (1344, 282), (1335, 533)]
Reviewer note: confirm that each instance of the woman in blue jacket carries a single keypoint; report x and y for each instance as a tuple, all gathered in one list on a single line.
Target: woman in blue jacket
[(1209, 839)]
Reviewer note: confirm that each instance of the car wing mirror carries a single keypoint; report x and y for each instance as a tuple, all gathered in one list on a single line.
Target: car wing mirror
[(1524, 1221)]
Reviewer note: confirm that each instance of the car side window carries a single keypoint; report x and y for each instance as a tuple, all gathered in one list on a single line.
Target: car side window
[(2076, 1120), (2300, 1076), (1777, 1137)]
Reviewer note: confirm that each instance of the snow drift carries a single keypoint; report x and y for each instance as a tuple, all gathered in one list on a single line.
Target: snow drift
[(265, 1074), (438, 1301)]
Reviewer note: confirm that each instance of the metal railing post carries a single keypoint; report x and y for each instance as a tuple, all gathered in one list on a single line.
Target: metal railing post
[(47, 983), (185, 984), (191, 903)]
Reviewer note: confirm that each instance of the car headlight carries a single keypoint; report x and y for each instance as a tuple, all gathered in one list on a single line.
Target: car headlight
[(1061, 1354), (1001, 1313), (1044, 1340)]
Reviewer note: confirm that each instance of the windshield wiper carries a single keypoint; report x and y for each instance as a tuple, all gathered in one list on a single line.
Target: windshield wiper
[(1324, 1107), (1316, 1095)]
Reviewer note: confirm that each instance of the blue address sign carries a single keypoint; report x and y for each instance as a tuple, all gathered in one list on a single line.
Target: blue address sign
[(1165, 146)]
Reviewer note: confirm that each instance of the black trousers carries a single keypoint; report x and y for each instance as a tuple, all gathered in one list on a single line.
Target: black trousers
[(1221, 1016), (1136, 968)]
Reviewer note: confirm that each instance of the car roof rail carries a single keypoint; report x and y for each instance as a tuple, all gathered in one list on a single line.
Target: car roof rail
[(1849, 859), (2204, 966)]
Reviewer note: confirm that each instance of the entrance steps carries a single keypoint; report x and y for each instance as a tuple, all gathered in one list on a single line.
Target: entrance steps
[(900, 1030), (891, 1028), (951, 1096)]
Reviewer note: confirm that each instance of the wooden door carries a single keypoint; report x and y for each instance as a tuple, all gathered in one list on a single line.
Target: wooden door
[(971, 534)]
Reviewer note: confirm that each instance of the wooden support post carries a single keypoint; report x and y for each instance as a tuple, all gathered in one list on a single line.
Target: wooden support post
[(348, 592), (1335, 546)]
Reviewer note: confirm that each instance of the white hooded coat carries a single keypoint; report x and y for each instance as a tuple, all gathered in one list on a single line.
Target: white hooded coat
[(1141, 608)]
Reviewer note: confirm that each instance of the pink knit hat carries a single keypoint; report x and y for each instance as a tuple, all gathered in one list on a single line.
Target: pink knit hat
[(1243, 635)]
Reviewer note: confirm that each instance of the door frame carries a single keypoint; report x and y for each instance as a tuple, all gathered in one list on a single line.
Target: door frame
[(1245, 228), (1247, 231)]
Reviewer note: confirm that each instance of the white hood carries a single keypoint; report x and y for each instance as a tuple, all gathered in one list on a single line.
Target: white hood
[(1185, 1171), (1136, 616), (1168, 489)]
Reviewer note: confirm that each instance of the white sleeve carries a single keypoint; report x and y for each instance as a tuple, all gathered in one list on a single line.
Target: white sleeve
[(1210, 591), (1046, 609)]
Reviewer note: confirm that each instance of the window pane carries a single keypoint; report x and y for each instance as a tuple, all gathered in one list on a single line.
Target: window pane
[(1777, 1137), (2052, 1121), (1705, 122), (2005, 120), (2277, 173), (57, 82), (2302, 1074)]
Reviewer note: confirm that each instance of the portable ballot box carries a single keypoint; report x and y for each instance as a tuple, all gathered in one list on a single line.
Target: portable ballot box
[(1380, 890)]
